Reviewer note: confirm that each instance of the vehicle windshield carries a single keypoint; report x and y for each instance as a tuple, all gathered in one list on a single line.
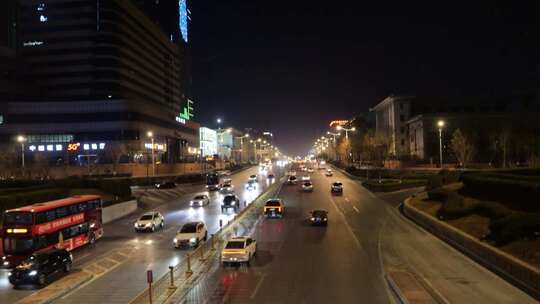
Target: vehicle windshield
[(235, 245), (253, 176), (337, 184), (146, 217), (273, 204), (229, 199), (18, 218), (18, 245), (188, 229), (292, 178), (199, 197), (307, 184), (319, 213)]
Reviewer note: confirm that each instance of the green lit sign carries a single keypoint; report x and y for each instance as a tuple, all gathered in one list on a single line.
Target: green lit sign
[(186, 114)]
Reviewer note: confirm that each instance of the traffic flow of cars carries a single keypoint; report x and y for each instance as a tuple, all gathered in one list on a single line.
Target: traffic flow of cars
[(190, 235), (39, 267), (239, 250)]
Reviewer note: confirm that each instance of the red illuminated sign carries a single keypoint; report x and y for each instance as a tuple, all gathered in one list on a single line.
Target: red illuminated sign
[(59, 224), (336, 123)]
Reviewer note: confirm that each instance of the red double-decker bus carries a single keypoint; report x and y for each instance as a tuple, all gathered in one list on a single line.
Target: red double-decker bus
[(65, 223)]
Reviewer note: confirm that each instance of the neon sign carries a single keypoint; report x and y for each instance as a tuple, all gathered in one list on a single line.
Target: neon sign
[(186, 114), (183, 19), (338, 123)]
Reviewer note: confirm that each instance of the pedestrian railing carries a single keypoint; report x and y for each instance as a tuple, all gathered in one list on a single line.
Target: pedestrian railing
[(162, 289)]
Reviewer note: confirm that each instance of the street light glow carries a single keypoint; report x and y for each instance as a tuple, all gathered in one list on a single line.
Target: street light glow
[(339, 128), (150, 134), (440, 123), (21, 138), (218, 120)]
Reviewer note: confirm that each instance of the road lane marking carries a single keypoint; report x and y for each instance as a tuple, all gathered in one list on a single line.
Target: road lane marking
[(347, 199), (356, 241), (356, 209), (254, 293)]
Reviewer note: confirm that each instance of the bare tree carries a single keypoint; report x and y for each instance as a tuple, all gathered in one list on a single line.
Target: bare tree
[(462, 147)]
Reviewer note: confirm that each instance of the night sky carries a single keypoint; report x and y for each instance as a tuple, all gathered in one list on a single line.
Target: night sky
[(292, 66)]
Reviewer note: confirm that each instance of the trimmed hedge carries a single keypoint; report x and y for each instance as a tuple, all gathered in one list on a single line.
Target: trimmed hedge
[(514, 227), (393, 185), (516, 194)]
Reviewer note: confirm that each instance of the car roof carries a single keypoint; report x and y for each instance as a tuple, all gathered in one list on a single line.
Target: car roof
[(192, 224), (149, 213), (239, 238)]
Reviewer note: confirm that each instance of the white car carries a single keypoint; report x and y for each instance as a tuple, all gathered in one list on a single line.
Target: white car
[(251, 185), (337, 187), (199, 200), (292, 180), (226, 188), (149, 222), (226, 181), (253, 178), (306, 178), (307, 186), (239, 250), (328, 172), (191, 234), (291, 173), (310, 170)]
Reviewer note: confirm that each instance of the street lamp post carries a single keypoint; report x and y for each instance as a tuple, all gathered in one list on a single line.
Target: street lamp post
[(218, 123), (151, 135), (339, 128), (242, 145), (22, 139), (440, 124)]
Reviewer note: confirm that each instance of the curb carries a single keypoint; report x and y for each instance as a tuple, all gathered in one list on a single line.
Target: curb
[(66, 291), (397, 292), (451, 237)]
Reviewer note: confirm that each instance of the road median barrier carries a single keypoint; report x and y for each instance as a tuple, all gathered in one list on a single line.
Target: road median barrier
[(186, 273), (519, 273)]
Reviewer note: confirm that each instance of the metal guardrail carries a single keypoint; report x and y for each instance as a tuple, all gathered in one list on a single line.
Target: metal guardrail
[(160, 290)]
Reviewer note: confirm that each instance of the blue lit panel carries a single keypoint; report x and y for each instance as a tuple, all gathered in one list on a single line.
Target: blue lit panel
[(183, 19)]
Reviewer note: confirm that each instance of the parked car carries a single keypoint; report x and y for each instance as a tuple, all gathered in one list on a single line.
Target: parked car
[(199, 200), (149, 221), (230, 201), (165, 185), (239, 250), (190, 235), (39, 267), (318, 217)]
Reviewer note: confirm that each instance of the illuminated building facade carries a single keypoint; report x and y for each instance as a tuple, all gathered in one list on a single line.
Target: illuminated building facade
[(106, 72)]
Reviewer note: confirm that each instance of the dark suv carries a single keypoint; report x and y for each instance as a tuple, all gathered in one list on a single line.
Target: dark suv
[(230, 201), (37, 268)]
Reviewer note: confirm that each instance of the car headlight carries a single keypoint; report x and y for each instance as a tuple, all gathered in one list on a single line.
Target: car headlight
[(312, 218), (3, 258), (6, 263), (9, 274), (175, 240), (233, 203), (192, 240), (32, 273), (135, 225), (325, 219), (191, 203)]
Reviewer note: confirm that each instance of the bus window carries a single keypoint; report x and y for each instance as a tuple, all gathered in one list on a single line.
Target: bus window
[(18, 245), (18, 218), (61, 212)]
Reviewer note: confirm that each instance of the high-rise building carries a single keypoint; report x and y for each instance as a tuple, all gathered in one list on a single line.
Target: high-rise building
[(105, 72)]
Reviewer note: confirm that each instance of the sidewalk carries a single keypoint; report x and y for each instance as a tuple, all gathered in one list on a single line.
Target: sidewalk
[(450, 275)]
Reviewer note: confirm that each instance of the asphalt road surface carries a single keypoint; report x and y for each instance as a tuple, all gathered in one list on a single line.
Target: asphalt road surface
[(147, 250), (344, 262), (299, 263)]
